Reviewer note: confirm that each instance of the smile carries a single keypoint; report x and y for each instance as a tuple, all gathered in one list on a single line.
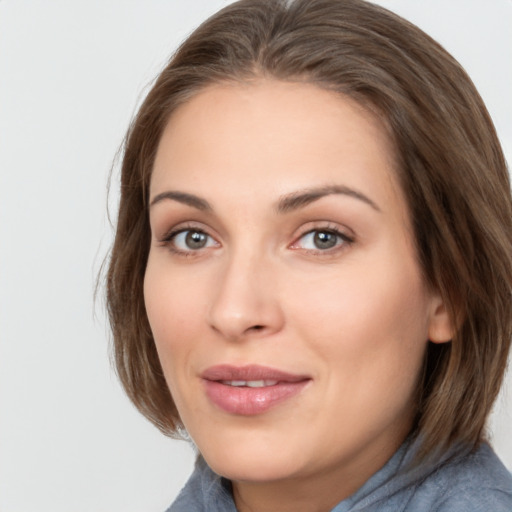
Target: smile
[(250, 383), (250, 390)]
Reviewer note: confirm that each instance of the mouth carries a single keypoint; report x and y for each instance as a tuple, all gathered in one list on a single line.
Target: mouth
[(250, 390), (249, 383)]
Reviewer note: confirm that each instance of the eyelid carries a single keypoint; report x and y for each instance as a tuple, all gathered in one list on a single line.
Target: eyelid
[(346, 234), (166, 240), (180, 227)]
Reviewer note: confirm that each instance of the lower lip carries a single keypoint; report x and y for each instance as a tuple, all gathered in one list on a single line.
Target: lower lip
[(246, 401)]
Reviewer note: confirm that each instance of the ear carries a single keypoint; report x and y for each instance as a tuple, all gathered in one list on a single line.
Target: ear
[(441, 328)]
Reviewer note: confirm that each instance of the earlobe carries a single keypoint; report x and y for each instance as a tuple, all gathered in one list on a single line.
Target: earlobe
[(441, 325)]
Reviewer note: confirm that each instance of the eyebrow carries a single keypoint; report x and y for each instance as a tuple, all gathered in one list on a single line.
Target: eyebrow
[(304, 197), (184, 198), (287, 203)]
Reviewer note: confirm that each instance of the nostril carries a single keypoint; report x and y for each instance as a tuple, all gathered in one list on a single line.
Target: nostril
[(257, 327)]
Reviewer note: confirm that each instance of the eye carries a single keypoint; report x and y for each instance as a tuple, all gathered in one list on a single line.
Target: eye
[(187, 240), (322, 240)]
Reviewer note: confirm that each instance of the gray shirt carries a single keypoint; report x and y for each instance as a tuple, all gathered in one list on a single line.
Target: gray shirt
[(460, 481)]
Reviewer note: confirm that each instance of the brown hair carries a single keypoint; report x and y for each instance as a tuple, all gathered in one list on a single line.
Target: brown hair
[(452, 171)]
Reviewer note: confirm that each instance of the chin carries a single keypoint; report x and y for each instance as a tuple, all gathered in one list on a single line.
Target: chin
[(259, 460), (261, 469)]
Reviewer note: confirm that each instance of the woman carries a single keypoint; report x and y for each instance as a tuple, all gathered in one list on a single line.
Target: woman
[(312, 267)]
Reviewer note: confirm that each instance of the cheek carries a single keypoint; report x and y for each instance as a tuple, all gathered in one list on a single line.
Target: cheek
[(370, 332), (365, 313), (173, 309)]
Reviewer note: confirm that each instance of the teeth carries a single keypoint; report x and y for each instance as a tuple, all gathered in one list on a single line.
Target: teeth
[(260, 383), (250, 383)]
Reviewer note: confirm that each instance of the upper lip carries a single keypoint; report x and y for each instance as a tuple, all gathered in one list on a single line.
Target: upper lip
[(252, 372)]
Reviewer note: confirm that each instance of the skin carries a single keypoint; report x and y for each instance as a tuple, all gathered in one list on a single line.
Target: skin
[(355, 317)]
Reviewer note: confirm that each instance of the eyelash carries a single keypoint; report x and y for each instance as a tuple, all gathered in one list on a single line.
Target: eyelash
[(168, 240), (342, 240)]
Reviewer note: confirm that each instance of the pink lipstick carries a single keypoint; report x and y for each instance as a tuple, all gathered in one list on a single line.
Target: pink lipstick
[(250, 390)]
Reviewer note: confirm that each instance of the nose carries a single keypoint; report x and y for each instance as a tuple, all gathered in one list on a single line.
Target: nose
[(245, 302)]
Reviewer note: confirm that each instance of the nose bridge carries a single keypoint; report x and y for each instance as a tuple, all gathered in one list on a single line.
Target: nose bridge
[(246, 300)]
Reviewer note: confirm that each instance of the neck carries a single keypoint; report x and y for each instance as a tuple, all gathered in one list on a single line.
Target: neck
[(296, 496), (314, 492)]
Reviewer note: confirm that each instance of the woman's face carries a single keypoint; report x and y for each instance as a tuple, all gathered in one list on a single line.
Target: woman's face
[(282, 287)]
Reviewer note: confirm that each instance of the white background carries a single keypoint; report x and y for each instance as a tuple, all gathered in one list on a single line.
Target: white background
[(71, 75)]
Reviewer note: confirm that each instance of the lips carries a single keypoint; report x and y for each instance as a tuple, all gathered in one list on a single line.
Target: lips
[(250, 390)]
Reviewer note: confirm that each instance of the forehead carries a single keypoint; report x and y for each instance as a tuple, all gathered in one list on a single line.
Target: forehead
[(274, 134)]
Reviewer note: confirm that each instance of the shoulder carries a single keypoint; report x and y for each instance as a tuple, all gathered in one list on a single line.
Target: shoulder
[(475, 482)]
